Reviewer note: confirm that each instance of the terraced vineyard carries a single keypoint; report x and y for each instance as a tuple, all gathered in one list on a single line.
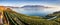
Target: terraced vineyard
[(14, 18)]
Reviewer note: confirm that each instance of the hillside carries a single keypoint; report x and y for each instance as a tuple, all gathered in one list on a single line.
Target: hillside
[(54, 14), (15, 18), (57, 14), (11, 17)]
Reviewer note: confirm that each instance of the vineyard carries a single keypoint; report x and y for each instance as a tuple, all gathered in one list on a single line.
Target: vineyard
[(11, 17)]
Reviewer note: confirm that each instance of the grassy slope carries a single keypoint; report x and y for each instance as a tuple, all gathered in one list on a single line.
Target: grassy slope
[(56, 19), (29, 20)]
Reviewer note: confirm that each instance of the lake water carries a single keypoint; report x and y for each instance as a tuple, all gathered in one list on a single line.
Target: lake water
[(34, 12)]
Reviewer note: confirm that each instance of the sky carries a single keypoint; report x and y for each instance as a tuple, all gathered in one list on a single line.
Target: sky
[(30, 2)]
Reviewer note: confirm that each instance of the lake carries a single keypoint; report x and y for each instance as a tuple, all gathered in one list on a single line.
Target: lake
[(34, 12)]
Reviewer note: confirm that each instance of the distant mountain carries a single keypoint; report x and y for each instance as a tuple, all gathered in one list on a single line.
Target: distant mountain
[(12, 7), (29, 6), (35, 6), (9, 6)]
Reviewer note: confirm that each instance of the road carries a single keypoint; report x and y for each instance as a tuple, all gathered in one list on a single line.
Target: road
[(52, 18)]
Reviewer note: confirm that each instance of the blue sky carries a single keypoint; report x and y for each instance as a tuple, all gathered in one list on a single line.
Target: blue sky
[(29, 2)]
